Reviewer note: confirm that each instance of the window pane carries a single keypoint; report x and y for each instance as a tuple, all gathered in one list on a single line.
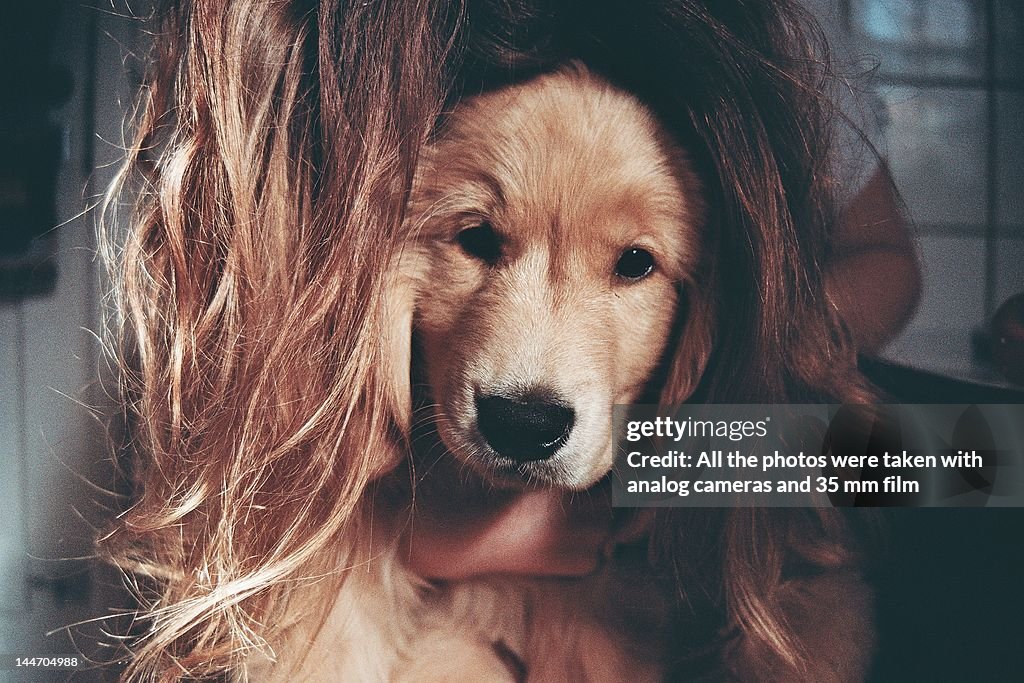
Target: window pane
[(1009, 269), (1010, 153), (936, 144), (1010, 40), (922, 37)]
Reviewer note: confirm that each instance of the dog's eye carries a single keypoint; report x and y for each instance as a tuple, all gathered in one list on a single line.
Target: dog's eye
[(481, 242), (634, 264)]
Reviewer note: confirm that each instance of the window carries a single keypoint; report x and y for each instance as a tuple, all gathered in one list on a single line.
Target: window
[(951, 81)]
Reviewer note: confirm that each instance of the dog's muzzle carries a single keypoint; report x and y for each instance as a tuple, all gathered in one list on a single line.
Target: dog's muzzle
[(525, 428)]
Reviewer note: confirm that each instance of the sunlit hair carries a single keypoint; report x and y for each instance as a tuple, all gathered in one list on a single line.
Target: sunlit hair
[(274, 153), (275, 148)]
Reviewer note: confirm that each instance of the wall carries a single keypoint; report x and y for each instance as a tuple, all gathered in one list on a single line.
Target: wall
[(948, 78), (54, 406)]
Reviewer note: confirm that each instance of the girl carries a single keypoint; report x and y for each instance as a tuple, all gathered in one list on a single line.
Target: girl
[(274, 155)]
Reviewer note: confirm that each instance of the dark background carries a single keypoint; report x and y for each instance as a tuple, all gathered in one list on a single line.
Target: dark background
[(949, 86), (951, 595)]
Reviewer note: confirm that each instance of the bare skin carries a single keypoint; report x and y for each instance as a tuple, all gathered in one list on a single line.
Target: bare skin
[(542, 532), (463, 527), (875, 279)]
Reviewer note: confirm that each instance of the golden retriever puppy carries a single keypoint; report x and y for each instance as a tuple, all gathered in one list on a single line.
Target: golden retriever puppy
[(553, 228)]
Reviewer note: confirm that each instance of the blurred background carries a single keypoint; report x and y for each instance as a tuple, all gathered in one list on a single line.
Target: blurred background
[(946, 93), (945, 90), (68, 75)]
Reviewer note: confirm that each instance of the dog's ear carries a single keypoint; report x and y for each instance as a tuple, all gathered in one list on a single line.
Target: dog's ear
[(693, 342), (398, 305), (388, 426), (694, 326)]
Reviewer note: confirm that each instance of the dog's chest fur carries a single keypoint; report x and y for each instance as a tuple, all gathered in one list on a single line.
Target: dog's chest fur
[(386, 624)]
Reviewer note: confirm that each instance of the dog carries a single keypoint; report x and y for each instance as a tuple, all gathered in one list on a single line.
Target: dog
[(553, 268), (553, 229)]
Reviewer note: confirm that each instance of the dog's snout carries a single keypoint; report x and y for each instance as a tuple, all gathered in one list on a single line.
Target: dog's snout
[(524, 429)]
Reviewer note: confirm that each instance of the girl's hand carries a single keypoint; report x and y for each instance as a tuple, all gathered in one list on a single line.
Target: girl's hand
[(460, 529)]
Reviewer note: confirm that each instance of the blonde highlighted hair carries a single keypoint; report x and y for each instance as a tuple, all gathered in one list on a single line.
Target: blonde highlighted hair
[(275, 149)]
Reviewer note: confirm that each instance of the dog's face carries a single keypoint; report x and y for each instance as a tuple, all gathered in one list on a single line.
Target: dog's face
[(555, 227)]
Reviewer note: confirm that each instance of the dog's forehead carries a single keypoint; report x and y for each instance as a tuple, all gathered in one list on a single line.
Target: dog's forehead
[(567, 157), (563, 137)]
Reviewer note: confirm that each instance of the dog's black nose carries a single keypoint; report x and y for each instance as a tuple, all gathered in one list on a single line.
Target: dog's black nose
[(524, 429)]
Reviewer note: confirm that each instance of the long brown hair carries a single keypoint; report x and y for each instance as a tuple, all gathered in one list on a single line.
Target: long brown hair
[(274, 152), (744, 87)]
